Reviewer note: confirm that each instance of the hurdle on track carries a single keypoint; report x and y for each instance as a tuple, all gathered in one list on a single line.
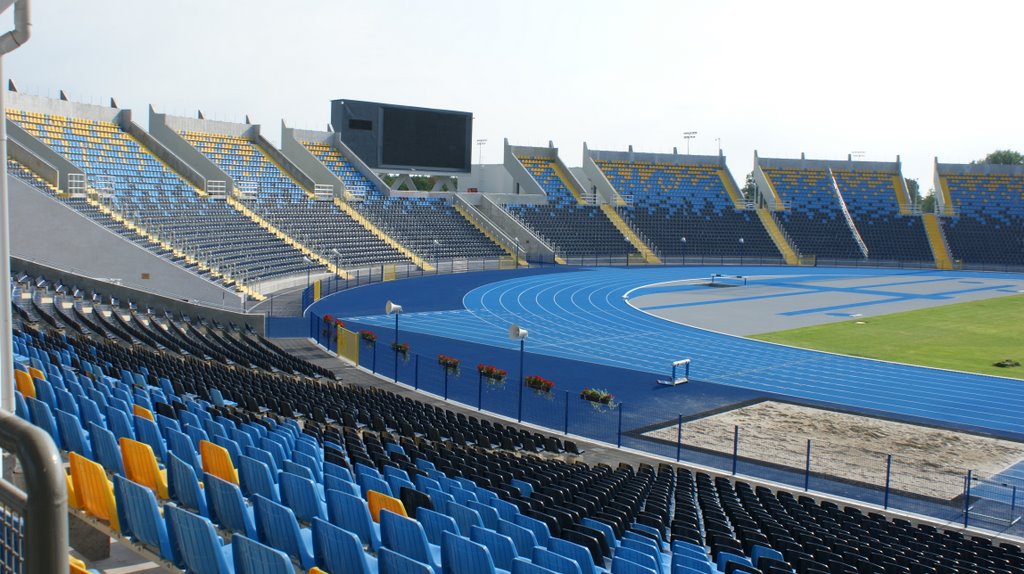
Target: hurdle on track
[(677, 380)]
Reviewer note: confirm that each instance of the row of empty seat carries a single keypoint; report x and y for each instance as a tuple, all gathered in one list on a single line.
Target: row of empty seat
[(570, 228), (987, 226), (430, 227), (685, 210), (303, 473)]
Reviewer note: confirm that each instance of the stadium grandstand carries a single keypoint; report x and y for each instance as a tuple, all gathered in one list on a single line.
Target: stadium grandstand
[(687, 206), (981, 211), (260, 446), (210, 369)]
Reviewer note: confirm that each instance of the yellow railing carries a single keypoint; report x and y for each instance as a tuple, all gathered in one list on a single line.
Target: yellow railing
[(940, 250), (775, 232), (369, 226), (629, 234)]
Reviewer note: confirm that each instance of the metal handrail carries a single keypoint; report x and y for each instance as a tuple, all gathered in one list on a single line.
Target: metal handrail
[(35, 521)]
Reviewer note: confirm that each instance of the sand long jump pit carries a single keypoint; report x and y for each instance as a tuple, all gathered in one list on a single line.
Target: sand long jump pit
[(853, 448)]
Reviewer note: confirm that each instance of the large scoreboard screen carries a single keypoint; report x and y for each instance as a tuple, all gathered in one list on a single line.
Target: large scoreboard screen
[(404, 137)]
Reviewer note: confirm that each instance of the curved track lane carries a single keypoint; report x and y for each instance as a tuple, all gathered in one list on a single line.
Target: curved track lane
[(585, 316)]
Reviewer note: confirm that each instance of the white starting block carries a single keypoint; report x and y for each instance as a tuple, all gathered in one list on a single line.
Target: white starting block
[(677, 380)]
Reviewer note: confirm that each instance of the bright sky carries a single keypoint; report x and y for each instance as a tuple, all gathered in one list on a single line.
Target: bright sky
[(915, 78)]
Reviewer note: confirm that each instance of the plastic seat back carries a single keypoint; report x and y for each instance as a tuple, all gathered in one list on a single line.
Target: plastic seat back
[(45, 392), (24, 383), (166, 423), (506, 510), (623, 565), (119, 423), (266, 458), (609, 532), (72, 435), (141, 467), (460, 555), (95, 494), (105, 449), (21, 407), (182, 447), (524, 566), (406, 536), (217, 461), (391, 562), (555, 561), (353, 514), (539, 529), (575, 552), (234, 451), (227, 507), (487, 513), (379, 501), (251, 557), (368, 483), (67, 402), (310, 463), (339, 550), (436, 524), (90, 412), (43, 418), (643, 559), (503, 550), (339, 471), (148, 432), (183, 485), (141, 411), (200, 547), (140, 518), (523, 538), (278, 528), (300, 495), (254, 478)]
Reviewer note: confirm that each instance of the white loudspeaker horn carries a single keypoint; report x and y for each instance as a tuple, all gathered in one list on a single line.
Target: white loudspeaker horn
[(516, 332), (390, 308)]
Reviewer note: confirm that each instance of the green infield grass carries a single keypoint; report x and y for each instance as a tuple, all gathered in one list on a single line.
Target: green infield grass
[(965, 336)]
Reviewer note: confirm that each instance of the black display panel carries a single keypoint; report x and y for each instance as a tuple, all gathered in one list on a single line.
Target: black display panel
[(404, 137), (425, 138)]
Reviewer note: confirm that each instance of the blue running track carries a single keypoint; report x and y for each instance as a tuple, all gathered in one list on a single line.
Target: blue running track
[(584, 315)]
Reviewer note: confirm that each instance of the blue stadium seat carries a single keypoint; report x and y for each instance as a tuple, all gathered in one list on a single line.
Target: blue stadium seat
[(227, 507), (353, 514), (406, 536), (251, 557), (337, 550), (200, 548), (140, 517)]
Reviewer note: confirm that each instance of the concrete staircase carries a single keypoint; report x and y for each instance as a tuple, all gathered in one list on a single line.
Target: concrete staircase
[(369, 226), (462, 211), (775, 232), (937, 240), (629, 234), (312, 255)]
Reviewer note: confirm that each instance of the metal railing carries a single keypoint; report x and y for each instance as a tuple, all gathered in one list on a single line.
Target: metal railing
[(33, 522)]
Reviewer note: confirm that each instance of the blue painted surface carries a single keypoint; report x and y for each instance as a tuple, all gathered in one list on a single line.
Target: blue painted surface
[(582, 315)]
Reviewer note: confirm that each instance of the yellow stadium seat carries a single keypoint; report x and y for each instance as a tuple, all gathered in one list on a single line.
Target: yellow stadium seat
[(141, 467), (24, 383), (94, 493), (72, 499), (77, 566), (379, 501), (36, 373), (143, 412), (217, 461)]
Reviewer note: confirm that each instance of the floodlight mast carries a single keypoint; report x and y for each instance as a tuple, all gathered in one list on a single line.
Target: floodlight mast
[(8, 43)]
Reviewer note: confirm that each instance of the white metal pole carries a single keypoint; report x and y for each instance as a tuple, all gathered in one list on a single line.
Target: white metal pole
[(6, 320), (8, 42)]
